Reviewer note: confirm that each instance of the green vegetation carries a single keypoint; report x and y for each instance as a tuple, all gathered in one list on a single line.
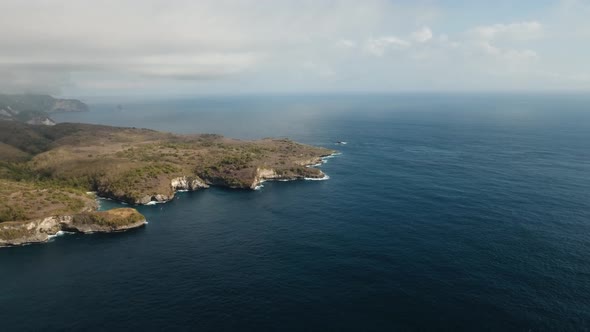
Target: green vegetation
[(14, 230), (39, 104), (27, 102), (46, 170), (8, 213), (32, 200), (113, 219), (35, 109)]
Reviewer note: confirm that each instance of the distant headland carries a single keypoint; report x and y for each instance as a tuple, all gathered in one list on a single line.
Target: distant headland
[(36, 109)]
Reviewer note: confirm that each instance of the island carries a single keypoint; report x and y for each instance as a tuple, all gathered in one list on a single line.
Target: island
[(50, 176)]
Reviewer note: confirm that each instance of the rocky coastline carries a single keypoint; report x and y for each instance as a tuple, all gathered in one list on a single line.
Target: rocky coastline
[(17, 233), (193, 183), (46, 171), (269, 174)]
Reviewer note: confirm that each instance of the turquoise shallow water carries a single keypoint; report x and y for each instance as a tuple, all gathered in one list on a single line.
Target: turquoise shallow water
[(452, 212)]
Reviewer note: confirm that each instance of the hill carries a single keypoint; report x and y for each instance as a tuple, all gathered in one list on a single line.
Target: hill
[(36, 109)]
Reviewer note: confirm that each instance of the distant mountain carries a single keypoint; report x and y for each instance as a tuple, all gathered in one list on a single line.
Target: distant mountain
[(35, 109)]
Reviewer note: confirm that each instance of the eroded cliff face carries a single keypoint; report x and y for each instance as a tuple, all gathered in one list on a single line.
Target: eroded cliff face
[(264, 174), (161, 193), (187, 183), (269, 174), (15, 233), (316, 161)]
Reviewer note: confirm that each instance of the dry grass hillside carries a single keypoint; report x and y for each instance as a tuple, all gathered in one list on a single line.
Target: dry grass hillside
[(23, 200), (46, 172), (140, 165)]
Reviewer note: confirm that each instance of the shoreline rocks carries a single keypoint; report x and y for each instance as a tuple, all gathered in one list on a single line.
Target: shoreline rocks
[(17, 233), (193, 183), (181, 183), (130, 165), (269, 174)]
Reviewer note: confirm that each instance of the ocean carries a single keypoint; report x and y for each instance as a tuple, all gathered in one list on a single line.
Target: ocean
[(463, 212)]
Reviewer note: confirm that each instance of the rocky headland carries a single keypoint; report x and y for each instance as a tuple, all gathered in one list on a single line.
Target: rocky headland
[(14, 233), (36, 109), (46, 172)]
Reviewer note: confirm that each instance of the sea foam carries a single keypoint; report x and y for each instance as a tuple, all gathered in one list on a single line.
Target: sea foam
[(324, 178), (60, 233)]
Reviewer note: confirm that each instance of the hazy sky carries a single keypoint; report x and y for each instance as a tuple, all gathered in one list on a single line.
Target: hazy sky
[(135, 47)]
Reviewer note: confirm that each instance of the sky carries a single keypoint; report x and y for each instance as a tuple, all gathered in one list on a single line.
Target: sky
[(156, 47)]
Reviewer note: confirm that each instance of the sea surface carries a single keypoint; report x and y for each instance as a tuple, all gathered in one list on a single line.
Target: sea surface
[(459, 212)]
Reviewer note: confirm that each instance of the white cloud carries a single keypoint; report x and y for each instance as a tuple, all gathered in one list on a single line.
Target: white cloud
[(513, 31), (346, 43), (318, 69), (378, 46), (423, 35), (198, 66), (506, 41), (508, 54), (185, 40), (288, 45)]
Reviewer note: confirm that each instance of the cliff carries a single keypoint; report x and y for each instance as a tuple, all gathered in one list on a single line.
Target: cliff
[(34, 211), (16, 233), (270, 174), (138, 166)]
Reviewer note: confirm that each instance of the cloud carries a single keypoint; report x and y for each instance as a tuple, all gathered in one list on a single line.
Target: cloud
[(508, 54), (513, 31), (378, 46), (184, 40), (158, 46), (487, 39), (423, 35), (317, 69), (346, 43), (29, 80)]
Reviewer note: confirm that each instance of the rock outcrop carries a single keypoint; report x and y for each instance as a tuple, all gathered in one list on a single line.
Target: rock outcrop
[(269, 174), (187, 183), (164, 194), (15, 233)]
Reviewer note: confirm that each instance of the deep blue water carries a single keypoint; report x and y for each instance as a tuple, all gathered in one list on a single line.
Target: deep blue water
[(444, 212)]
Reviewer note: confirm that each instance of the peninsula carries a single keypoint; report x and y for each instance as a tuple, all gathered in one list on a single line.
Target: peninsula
[(36, 109), (46, 173)]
